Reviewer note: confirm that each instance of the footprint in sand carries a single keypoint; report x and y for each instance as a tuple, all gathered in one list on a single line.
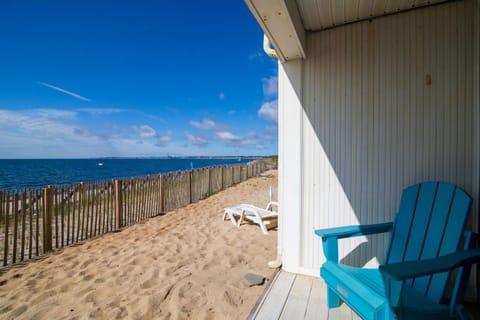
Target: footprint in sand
[(88, 277), (152, 280), (44, 296), (18, 311), (228, 296)]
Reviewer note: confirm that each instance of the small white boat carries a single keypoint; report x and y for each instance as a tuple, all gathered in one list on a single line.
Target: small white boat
[(100, 164)]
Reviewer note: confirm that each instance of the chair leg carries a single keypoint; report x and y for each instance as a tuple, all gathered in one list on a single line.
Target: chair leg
[(333, 301), (264, 228), (240, 220), (229, 216)]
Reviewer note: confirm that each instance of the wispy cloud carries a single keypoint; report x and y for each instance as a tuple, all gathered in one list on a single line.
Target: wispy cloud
[(269, 111), (221, 96), (93, 133), (100, 111), (228, 137), (72, 94), (272, 129), (145, 131), (252, 134), (206, 124), (256, 55), (270, 86), (48, 133), (163, 140), (196, 140), (53, 113)]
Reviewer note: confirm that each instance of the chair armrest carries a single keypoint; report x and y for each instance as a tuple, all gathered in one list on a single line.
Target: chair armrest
[(412, 269), (354, 231), (395, 274), (270, 205), (330, 236)]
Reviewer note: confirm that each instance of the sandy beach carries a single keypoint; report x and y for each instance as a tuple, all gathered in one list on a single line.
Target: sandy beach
[(187, 264)]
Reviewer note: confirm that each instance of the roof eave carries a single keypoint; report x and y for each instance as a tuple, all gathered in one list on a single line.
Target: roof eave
[(281, 22)]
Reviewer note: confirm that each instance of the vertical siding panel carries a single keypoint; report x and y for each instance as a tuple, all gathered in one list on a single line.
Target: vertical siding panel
[(461, 104), (428, 124), (469, 94), (364, 152), (410, 78), (452, 80), (318, 151), (372, 125), (420, 74), (356, 105), (309, 138)]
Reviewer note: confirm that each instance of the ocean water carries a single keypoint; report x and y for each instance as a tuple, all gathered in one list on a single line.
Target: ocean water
[(32, 173)]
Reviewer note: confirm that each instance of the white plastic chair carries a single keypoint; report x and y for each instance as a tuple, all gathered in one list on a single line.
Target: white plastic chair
[(265, 218)]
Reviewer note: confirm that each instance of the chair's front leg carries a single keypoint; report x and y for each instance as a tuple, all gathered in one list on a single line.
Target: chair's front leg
[(330, 250)]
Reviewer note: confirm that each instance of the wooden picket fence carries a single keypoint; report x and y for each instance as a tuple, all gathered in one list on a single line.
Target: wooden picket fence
[(34, 222)]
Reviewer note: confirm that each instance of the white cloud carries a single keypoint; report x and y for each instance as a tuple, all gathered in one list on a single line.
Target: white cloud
[(37, 123), (256, 55), (53, 113), (252, 134), (270, 86), (144, 131), (272, 129), (259, 147), (248, 142), (72, 94), (206, 124), (196, 140), (269, 111), (163, 140), (42, 133), (228, 137), (99, 111), (267, 138)]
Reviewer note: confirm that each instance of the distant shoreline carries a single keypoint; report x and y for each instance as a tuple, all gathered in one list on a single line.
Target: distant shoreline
[(159, 157)]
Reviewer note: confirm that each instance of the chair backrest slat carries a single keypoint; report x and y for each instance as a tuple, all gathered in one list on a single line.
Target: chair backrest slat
[(452, 237), (403, 220), (429, 223), (436, 227)]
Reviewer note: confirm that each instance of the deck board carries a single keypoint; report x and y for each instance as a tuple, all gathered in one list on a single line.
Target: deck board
[(292, 296), (297, 301), (317, 308), (274, 301)]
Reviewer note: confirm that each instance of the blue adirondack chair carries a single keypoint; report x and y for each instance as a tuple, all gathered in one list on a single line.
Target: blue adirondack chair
[(424, 248)]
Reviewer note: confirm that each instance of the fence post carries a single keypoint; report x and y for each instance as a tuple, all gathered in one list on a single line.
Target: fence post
[(209, 181), (222, 178), (6, 213), (190, 184), (47, 219), (1, 206), (118, 204), (162, 193)]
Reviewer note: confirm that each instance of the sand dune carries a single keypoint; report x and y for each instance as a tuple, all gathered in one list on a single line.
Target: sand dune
[(187, 264)]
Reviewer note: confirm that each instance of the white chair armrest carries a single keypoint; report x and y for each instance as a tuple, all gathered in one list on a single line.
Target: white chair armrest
[(270, 205)]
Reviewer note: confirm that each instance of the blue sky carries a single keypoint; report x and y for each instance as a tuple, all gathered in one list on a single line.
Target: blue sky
[(134, 79)]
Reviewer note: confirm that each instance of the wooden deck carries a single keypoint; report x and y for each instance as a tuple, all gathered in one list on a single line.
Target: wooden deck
[(292, 296)]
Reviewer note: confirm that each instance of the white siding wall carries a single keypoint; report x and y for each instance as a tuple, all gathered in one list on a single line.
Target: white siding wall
[(372, 125)]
